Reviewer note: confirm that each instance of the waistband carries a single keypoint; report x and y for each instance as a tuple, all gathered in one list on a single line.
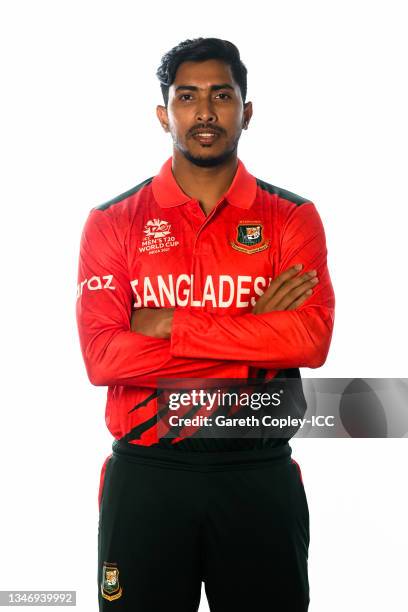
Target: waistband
[(208, 460)]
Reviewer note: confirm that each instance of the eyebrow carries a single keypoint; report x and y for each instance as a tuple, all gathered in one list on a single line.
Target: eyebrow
[(213, 87)]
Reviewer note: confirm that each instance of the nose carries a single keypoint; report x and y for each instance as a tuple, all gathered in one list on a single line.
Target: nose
[(205, 112)]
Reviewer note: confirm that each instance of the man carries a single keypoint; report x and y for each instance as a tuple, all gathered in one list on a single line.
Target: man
[(227, 278)]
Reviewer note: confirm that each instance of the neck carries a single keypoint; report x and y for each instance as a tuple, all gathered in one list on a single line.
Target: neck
[(207, 185)]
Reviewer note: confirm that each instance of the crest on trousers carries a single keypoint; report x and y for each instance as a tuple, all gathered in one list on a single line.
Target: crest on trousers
[(110, 587), (249, 237)]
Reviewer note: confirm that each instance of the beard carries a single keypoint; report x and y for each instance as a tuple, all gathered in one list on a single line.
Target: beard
[(208, 161)]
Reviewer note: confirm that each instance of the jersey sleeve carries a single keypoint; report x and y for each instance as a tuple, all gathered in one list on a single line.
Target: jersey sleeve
[(112, 352), (277, 339)]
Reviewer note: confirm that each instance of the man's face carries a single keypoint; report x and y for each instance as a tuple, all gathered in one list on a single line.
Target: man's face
[(205, 113)]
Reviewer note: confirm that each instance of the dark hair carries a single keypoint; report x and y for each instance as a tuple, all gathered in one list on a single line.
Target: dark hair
[(197, 50)]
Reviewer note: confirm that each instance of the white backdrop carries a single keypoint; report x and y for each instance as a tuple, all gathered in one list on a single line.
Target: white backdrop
[(328, 86)]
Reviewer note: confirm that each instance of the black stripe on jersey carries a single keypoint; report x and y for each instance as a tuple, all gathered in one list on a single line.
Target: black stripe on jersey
[(124, 195), (282, 193), (287, 373)]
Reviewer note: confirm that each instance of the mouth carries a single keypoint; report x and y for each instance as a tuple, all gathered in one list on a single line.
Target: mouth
[(205, 136)]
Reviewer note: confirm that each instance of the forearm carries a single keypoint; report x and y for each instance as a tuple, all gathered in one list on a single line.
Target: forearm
[(279, 339), (128, 358)]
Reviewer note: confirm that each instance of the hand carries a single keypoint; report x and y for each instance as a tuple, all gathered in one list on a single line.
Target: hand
[(154, 322), (287, 291)]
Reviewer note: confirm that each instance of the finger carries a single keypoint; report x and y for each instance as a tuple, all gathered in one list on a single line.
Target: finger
[(288, 297), (286, 275), (278, 300), (277, 283), (296, 292), (300, 300), (292, 285)]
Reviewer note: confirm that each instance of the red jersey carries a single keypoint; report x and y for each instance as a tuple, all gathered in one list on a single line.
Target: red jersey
[(154, 247)]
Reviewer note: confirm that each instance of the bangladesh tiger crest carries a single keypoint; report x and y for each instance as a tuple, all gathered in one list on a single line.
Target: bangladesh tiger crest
[(249, 237), (110, 587)]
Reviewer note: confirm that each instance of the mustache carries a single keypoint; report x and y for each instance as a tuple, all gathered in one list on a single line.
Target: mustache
[(213, 128)]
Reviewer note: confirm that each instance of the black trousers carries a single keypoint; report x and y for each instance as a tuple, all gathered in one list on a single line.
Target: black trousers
[(169, 520)]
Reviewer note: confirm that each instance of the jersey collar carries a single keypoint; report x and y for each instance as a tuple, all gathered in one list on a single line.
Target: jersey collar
[(168, 193)]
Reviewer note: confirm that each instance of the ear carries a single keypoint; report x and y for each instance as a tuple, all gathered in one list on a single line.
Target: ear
[(161, 112), (247, 115)]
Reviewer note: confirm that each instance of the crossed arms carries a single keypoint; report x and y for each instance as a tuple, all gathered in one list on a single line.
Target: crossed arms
[(280, 332)]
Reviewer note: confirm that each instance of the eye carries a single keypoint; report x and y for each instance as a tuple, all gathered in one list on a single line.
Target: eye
[(225, 95), (184, 95)]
